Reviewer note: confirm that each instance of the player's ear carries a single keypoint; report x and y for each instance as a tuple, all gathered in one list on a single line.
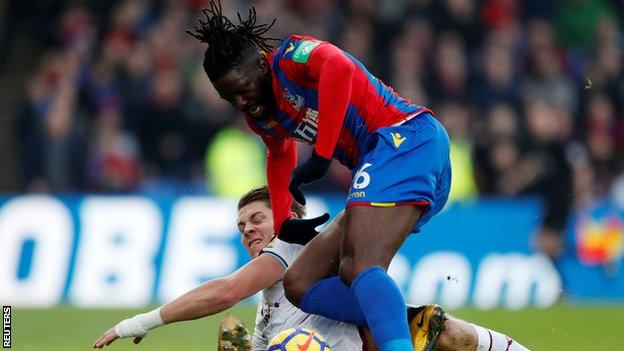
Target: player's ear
[(263, 64), (293, 215)]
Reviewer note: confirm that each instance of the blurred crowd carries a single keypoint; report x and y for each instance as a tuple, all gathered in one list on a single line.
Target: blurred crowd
[(531, 92)]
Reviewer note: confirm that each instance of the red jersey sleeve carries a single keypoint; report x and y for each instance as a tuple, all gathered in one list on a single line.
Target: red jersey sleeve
[(281, 159), (332, 72)]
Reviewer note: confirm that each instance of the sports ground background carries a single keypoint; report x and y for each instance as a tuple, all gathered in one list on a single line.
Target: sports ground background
[(562, 327), (120, 165)]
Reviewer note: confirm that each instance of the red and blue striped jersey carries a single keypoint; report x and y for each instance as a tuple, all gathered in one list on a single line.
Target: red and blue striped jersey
[(325, 97)]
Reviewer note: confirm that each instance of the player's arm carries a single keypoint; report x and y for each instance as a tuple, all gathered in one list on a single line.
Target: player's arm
[(281, 159), (334, 72), (220, 294), (207, 299)]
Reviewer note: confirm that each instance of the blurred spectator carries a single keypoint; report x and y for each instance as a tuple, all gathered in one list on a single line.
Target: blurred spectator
[(4, 29), (357, 40), (500, 14), (578, 21), (498, 146), (456, 119), (545, 78), (162, 128), (450, 79), (602, 144), (544, 169), (410, 52), (498, 81), (113, 161), (235, 161), (50, 135), (460, 17)]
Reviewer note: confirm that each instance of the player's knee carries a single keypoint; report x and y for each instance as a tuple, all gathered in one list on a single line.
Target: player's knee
[(457, 336), (294, 288), (350, 269)]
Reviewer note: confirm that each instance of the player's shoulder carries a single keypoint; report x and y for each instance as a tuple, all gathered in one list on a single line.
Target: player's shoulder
[(277, 244), (297, 39), (282, 251), (297, 48)]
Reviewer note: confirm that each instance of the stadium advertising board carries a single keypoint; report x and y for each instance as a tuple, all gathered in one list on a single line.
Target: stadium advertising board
[(127, 251)]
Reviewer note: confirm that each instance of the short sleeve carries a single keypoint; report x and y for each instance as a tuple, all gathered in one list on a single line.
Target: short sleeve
[(285, 253)]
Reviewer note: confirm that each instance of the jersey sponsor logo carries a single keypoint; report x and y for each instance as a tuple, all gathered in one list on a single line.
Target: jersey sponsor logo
[(290, 48), (397, 139), (356, 195), (296, 101), (303, 51), (362, 178), (306, 130), (306, 345)]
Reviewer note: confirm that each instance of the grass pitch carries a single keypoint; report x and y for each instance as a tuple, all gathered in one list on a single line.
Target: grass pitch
[(563, 328)]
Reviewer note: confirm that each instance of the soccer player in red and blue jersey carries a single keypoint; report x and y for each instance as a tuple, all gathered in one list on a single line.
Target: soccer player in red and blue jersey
[(309, 90)]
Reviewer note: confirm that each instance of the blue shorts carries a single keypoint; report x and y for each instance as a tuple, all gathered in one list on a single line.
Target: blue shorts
[(407, 164)]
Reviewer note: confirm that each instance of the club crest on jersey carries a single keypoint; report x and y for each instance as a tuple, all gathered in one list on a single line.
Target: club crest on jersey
[(296, 101), (272, 243), (290, 48)]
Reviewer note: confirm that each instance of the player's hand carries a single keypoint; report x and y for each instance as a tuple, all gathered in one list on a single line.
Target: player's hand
[(110, 336), (301, 231), (312, 170), (136, 327)]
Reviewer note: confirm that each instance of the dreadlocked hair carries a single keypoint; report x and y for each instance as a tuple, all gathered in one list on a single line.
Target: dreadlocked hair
[(228, 44)]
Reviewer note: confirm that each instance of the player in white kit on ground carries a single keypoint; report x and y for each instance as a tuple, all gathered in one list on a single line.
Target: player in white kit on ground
[(270, 258)]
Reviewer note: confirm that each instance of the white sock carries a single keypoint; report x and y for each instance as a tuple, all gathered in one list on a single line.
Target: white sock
[(490, 340)]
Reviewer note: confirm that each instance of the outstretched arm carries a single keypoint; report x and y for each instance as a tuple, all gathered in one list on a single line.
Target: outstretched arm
[(207, 299), (220, 294)]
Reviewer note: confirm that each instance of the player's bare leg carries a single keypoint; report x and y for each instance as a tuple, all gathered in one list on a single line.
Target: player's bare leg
[(319, 259), (371, 238), (432, 329), (458, 336), (463, 336)]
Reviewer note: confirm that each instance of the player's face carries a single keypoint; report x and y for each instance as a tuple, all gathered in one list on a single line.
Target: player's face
[(249, 88), (255, 222)]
